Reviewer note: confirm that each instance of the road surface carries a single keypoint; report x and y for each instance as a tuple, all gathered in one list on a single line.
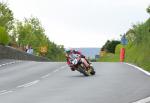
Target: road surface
[(51, 82)]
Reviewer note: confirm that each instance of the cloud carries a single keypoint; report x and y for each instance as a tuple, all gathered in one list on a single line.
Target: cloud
[(82, 23)]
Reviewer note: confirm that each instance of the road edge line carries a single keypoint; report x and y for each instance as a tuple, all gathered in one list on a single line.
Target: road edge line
[(9, 63), (141, 69), (28, 84), (145, 100)]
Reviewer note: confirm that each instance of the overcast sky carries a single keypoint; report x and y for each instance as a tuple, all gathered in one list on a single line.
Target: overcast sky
[(82, 23)]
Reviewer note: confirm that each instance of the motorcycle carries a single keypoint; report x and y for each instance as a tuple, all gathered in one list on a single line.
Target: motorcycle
[(82, 65)]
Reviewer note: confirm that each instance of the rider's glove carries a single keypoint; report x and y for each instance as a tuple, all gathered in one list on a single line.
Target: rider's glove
[(82, 56)]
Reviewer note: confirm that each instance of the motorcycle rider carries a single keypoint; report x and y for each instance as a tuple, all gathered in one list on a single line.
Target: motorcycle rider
[(72, 51)]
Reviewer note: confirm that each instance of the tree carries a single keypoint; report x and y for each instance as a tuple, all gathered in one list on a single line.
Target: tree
[(30, 32), (110, 46), (6, 16), (4, 38), (105, 45), (26, 32), (148, 9)]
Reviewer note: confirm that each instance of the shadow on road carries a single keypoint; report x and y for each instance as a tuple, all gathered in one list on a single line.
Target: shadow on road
[(81, 76), (78, 76)]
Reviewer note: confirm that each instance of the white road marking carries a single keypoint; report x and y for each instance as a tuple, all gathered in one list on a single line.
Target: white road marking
[(28, 84), (36, 81), (3, 91), (146, 72), (146, 100), (9, 63), (6, 92), (3, 64), (45, 76)]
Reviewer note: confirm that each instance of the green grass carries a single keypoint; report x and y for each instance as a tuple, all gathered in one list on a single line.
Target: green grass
[(137, 50), (138, 55), (109, 57)]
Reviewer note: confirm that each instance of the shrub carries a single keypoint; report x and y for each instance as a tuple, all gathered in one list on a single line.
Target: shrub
[(4, 37)]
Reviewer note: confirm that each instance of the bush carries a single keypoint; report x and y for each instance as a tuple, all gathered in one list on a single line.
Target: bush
[(138, 51), (4, 37), (110, 46)]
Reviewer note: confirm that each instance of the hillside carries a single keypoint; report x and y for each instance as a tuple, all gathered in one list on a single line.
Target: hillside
[(137, 49)]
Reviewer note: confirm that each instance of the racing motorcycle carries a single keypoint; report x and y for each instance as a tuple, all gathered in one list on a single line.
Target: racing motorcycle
[(82, 65)]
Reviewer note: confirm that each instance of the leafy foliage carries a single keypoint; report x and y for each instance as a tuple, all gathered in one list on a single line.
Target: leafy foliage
[(138, 48), (27, 32), (6, 16), (138, 51), (148, 9), (4, 38), (110, 46), (31, 32)]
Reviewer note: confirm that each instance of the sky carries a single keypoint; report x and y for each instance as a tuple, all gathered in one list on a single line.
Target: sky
[(82, 23)]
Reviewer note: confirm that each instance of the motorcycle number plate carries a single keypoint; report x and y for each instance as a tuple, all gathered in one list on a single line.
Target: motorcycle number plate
[(74, 61)]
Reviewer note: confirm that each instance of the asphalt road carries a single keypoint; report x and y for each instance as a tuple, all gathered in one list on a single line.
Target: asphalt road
[(51, 82)]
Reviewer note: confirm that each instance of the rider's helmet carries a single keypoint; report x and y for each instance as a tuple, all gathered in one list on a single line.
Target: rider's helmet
[(67, 50)]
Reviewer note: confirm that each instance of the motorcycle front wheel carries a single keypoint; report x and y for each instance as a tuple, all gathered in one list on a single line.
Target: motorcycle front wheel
[(92, 71), (83, 71)]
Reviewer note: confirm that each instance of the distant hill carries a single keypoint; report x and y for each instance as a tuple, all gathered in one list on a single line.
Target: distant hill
[(89, 52)]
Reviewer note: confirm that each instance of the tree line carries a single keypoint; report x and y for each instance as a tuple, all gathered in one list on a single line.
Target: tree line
[(28, 32), (110, 46)]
